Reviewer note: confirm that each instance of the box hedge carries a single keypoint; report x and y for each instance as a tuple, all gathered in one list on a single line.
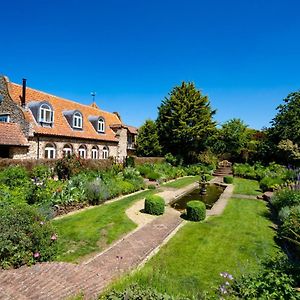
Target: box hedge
[(228, 179), (154, 205), (195, 210)]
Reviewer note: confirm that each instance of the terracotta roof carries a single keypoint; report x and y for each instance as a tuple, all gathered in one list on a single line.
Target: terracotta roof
[(132, 129), (11, 134), (61, 126)]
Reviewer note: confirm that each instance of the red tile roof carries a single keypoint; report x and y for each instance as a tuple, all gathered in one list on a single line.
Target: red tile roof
[(132, 129), (12, 135), (61, 126)]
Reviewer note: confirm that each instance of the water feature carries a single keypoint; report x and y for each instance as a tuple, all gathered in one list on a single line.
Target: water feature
[(213, 192)]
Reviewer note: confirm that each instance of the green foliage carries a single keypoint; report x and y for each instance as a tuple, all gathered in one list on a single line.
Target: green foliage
[(286, 124), (228, 179), (41, 172), (154, 205), (284, 198), (14, 176), (270, 183), (96, 192), (25, 236), (67, 166), (195, 211), (153, 175), (171, 159), (207, 158), (289, 153), (185, 121), (135, 292), (147, 140)]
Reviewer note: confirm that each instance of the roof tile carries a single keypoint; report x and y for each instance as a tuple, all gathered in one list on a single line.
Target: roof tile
[(12, 135)]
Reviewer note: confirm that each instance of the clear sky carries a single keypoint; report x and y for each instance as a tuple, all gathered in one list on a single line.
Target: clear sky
[(243, 54)]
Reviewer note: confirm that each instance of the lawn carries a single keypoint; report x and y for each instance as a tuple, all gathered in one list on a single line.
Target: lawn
[(93, 229), (246, 186), (179, 183), (190, 263)]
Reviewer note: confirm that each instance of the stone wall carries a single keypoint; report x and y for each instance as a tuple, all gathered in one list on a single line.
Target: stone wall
[(8, 106), (122, 145)]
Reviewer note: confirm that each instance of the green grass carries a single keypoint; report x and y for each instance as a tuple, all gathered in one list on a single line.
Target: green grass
[(246, 186), (179, 183), (190, 263), (93, 229)]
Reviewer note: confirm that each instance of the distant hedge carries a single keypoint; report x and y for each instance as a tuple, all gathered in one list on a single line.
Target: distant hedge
[(29, 164), (154, 205), (148, 160), (195, 210), (228, 179)]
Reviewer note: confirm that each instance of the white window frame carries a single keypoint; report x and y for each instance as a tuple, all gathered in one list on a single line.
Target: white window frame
[(95, 152), (82, 152), (105, 152), (50, 151), (67, 150), (46, 114), (3, 116), (101, 125), (77, 120)]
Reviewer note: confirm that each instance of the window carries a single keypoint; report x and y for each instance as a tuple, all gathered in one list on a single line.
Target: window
[(46, 114), (95, 152), (77, 120), (4, 118), (50, 151), (67, 150), (105, 152), (101, 125), (82, 151)]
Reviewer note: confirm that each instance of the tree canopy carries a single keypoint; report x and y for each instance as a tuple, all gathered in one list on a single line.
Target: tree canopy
[(185, 121), (286, 124), (147, 140)]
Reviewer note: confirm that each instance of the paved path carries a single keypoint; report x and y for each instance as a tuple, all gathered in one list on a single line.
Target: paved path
[(61, 280)]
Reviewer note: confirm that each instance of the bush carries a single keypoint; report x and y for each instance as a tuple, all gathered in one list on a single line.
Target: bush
[(68, 166), (96, 192), (135, 293), (41, 172), (154, 205), (284, 198), (270, 183), (228, 179), (153, 175), (14, 176), (195, 210), (25, 236)]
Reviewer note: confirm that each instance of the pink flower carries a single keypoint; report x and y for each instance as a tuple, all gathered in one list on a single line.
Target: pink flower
[(36, 255), (54, 237), (42, 223)]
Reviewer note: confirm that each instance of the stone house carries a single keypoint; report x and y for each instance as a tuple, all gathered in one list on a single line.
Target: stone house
[(37, 125)]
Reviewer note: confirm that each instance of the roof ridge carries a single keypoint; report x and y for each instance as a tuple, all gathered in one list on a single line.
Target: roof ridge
[(61, 98)]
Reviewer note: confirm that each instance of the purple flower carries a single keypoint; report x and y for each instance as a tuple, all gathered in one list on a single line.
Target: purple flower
[(36, 255), (223, 289), (230, 277)]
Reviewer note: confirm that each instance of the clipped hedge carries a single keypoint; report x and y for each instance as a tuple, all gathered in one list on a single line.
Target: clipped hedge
[(228, 179), (154, 205), (195, 210)]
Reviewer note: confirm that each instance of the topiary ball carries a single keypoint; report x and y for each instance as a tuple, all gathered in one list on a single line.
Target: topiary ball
[(196, 210), (154, 205)]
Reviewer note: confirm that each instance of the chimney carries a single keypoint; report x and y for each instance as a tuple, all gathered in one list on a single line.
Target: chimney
[(23, 98)]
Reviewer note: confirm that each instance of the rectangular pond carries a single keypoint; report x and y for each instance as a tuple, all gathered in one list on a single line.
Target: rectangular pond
[(213, 192)]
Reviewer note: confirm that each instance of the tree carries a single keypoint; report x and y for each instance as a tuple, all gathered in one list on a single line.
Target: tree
[(185, 121), (286, 124), (147, 140), (235, 136)]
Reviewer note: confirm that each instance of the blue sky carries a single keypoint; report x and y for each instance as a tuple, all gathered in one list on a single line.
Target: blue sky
[(245, 55)]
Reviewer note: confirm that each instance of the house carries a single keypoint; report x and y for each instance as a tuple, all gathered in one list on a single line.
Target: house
[(37, 125)]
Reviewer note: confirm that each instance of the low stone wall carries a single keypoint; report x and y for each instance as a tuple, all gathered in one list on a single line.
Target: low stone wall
[(148, 160)]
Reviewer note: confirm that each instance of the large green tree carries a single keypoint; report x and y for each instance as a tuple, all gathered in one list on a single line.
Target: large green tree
[(185, 121), (286, 124), (147, 140)]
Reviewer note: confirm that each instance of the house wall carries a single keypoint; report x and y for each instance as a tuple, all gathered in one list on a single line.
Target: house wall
[(8, 106)]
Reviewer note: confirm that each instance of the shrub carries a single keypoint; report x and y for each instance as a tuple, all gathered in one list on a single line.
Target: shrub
[(96, 192), (25, 236), (284, 198), (68, 166), (41, 172), (269, 183), (154, 205), (195, 210), (14, 176), (151, 187), (153, 175), (134, 292), (228, 179)]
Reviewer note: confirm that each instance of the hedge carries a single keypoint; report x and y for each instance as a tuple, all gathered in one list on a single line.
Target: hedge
[(228, 179), (195, 210), (147, 160), (154, 205)]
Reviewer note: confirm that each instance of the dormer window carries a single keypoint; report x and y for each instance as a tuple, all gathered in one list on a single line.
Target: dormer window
[(46, 114), (77, 120), (101, 125)]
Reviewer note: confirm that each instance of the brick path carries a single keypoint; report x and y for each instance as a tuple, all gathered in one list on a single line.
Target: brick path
[(57, 280), (61, 280)]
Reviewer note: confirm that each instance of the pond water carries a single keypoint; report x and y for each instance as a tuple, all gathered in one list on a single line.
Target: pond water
[(213, 193)]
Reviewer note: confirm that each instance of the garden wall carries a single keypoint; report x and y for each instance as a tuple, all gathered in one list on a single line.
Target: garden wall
[(148, 160)]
